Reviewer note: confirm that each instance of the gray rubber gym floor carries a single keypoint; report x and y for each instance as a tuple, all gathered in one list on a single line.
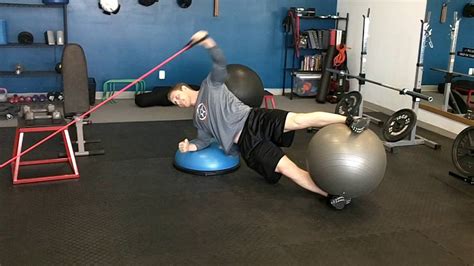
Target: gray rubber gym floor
[(132, 207)]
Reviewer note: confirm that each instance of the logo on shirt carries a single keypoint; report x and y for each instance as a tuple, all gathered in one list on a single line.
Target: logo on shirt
[(202, 111)]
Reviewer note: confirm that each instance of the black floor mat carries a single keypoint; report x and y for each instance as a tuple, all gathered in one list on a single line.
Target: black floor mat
[(131, 206)]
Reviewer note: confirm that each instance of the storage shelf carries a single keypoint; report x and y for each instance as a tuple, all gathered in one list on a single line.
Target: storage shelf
[(293, 93), (23, 74), (33, 45), (315, 49), (298, 71), (13, 46), (291, 68), (323, 17), (32, 5), (305, 71)]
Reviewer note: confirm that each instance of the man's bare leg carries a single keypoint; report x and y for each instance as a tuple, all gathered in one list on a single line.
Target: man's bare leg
[(301, 177), (295, 121)]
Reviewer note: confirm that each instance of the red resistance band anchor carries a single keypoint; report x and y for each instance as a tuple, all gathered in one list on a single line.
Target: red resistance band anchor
[(340, 58), (188, 46)]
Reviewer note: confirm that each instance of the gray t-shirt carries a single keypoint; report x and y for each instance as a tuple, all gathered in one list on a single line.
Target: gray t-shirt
[(218, 113)]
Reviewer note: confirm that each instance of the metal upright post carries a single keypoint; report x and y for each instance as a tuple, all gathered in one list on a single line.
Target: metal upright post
[(284, 64), (363, 50), (425, 33), (363, 61), (452, 57), (414, 139), (66, 33)]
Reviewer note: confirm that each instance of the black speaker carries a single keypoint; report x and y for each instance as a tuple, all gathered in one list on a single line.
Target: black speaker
[(92, 89)]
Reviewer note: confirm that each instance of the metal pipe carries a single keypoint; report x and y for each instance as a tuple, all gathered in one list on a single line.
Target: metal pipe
[(401, 91), (452, 58)]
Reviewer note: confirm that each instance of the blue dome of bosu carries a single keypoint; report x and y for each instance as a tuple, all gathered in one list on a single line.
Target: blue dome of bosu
[(208, 161)]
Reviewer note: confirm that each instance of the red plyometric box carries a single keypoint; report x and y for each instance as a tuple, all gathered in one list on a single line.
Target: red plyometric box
[(17, 149)]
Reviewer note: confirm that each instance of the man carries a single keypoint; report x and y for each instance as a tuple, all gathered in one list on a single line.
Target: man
[(258, 133)]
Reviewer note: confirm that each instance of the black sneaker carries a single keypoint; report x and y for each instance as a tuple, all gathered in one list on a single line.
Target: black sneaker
[(338, 202), (357, 124)]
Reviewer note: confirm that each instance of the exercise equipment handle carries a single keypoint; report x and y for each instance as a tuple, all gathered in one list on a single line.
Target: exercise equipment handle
[(191, 44), (416, 94), (184, 49)]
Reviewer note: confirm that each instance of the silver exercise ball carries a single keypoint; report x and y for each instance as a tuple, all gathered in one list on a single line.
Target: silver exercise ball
[(344, 163)]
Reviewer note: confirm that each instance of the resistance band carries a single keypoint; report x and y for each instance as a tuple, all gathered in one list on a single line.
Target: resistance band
[(188, 46), (340, 58)]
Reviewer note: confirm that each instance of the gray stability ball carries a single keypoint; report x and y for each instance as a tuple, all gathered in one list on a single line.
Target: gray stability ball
[(245, 84), (344, 163)]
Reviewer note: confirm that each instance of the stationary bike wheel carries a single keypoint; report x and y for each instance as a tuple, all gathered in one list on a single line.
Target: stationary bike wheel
[(463, 151)]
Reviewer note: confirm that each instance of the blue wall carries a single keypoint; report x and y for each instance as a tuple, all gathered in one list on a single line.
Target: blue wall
[(128, 44), (438, 56)]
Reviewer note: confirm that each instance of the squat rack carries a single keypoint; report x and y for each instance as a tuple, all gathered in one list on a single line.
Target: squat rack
[(416, 94), (450, 74), (425, 35)]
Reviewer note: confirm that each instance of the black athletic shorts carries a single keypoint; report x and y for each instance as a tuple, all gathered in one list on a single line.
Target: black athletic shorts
[(261, 139)]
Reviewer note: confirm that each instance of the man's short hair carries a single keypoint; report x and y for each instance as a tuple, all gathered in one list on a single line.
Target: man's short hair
[(176, 87)]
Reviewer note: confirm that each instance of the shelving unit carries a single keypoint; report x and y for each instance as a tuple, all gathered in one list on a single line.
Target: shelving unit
[(36, 45), (33, 45), (28, 73), (294, 70)]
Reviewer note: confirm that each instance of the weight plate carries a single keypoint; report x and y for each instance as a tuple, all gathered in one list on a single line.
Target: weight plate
[(463, 151), (399, 125), (349, 104)]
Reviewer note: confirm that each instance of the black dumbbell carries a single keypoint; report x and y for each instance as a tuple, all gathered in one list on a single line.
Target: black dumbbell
[(59, 96), (6, 114), (50, 96), (55, 96), (9, 112)]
